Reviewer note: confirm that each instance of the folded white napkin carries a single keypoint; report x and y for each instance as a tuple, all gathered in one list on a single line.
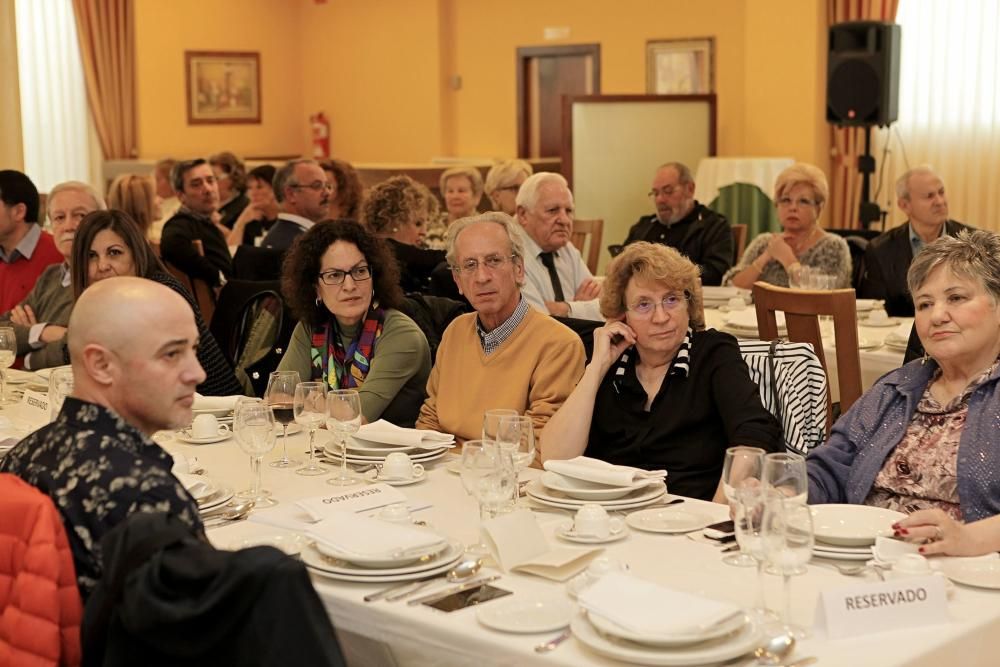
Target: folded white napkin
[(747, 319), (386, 433), (353, 534), (646, 608), (901, 333), (10, 434), (196, 485), (214, 402), (602, 472), (864, 304)]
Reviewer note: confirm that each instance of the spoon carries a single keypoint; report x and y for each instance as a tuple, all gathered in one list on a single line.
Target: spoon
[(231, 514), (775, 650), (234, 508), (464, 570)]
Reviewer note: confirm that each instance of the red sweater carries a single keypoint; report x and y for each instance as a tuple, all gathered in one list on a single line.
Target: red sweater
[(17, 279)]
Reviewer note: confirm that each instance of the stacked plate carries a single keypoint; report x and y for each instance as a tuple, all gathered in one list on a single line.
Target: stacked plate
[(848, 532), (714, 297), (375, 568), (572, 494), (898, 338), (360, 452), (212, 496), (743, 324)]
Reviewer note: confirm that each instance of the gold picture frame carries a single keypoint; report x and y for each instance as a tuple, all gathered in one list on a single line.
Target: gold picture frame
[(680, 66), (222, 87)]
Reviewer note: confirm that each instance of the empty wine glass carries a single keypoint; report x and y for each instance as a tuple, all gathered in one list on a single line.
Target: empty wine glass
[(248, 493), (741, 469), (786, 473), (310, 412), (343, 409), (253, 426), (516, 434), (491, 421), (489, 476), (748, 520), (8, 349), (787, 537), (280, 395)]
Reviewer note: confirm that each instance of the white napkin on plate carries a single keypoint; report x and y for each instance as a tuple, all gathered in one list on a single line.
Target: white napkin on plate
[(386, 433), (747, 319), (901, 333), (646, 608), (602, 472), (214, 402), (196, 485), (350, 533)]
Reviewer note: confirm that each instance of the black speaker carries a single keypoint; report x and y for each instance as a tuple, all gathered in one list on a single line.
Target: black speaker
[(862, 83)]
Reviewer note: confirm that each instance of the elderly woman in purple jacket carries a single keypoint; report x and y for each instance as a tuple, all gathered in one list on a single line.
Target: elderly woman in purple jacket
[(926, 435)]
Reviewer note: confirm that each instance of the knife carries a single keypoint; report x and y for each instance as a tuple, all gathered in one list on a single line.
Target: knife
[(440, 595), (378, 595)]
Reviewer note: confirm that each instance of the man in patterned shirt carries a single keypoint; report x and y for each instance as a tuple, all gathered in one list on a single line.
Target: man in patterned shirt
[(133, 344)]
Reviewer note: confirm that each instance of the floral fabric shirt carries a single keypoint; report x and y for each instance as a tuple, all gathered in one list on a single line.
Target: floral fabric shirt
[(829, 255), (98, 469)]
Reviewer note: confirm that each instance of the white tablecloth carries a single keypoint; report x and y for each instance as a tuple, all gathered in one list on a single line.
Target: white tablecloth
[(714, 173)]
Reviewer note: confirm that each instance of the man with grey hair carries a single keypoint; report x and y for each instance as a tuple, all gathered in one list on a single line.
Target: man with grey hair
[(920, 194), (40, 319), (681, 222), (303, 191), (557, 281), (197, 220), (25, 250), (505, 354)]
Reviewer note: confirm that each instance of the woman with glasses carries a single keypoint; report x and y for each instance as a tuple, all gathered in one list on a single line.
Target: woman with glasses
[(341, 281), (799, 192), (502, 183), (661, 392)]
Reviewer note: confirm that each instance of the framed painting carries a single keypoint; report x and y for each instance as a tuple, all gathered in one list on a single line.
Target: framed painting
[(222, 87), (680, 66)]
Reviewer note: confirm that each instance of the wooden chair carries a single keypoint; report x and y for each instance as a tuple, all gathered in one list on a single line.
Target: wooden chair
[(202, 292), (801, 308), (594, 229), (739, 241)]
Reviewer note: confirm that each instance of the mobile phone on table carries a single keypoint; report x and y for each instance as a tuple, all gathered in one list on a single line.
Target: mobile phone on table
[(464, 599), (720, 531)]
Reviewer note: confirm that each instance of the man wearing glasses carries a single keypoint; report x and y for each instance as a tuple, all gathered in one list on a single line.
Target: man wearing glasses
[(302, 190), (197, 190), (680, 222), (504, 355)]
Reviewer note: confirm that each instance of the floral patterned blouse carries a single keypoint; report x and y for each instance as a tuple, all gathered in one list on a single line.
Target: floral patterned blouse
[(98, 469), (829, 255), (922, 471)]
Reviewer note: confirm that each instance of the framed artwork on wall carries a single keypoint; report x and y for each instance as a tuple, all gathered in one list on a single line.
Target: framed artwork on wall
[(680, 66), (222, 87)]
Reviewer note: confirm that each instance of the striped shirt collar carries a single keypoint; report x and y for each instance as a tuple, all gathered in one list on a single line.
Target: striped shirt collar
[(679, 367), (26, 246), (491, 340)]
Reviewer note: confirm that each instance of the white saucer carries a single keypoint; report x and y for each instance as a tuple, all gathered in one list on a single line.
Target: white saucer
[(219, 437), (891, 322), (527, 615), (669, 520), (289, 543), (979, 573), (218, 412), (565, 532), (221, 496), (374, 476)]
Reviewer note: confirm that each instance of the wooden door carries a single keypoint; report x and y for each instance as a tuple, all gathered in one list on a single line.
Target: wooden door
[(544, 75)]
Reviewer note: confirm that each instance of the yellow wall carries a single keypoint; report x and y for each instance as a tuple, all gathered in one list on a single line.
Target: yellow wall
[(11, 144)]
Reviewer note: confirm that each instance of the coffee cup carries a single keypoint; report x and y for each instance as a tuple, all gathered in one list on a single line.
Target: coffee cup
[(592, 520), (878, 316), (399, 466), (736, 303), (395, 513), (206, 426)]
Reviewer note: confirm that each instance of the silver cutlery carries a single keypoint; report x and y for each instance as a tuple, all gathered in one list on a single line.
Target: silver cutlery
[(378, 595), (464, 570), (451, 590), (545, 647)]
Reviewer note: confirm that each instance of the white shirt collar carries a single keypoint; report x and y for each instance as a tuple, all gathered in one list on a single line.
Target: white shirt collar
[(304, 223)]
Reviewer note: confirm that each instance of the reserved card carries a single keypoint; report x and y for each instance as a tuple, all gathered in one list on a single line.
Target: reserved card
[(352, 499), (889, 605), (36, 406)]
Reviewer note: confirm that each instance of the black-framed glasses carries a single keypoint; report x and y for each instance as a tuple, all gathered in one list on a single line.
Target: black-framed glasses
[(492, 263), (337, 277), (645, 307), (315, 186)]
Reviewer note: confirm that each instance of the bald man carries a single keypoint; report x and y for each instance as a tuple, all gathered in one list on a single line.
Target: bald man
[(133, 344)]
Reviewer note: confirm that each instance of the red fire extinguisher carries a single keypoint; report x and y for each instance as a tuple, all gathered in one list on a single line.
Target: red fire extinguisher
[(320, 135)]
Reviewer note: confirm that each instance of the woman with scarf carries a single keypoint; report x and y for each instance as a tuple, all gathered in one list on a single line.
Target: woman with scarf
[(342, 283)]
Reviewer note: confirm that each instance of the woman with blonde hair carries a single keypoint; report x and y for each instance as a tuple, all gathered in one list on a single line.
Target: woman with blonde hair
[(502, 183), (661, 392), (462, 189), (136, 195), (800, 192)]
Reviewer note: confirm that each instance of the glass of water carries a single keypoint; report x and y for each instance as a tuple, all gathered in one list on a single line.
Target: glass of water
[(253, 425), (8, 349), (787, 539)]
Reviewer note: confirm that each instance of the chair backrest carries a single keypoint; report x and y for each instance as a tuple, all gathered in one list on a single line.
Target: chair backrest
[(202, 292), (432, 314), (253, 263), (593, 229), (802, 308), (739, 241), (857, 245)]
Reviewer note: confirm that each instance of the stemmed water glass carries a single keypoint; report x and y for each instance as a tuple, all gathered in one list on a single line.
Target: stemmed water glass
[(8, 349), (280, 395), (787, 538), (343, 410), (741, 470), (786, 474), (516, 434), (310, 412), (748, 520), (253, 425), (489, 476), (249, 494), (491, 421)]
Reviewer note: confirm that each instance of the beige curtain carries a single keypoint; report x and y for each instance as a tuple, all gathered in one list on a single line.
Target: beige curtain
[(847, 143), (107, 39)]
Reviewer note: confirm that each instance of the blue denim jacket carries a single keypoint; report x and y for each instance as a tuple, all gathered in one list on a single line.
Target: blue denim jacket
[(843, 469)]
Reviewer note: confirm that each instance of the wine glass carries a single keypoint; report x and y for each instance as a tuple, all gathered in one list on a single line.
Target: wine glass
[(748, 521), (491, 421), (253, 426), (741, 469), (488, 475), (787, 538), (343, 409), (310, 412), (280, 395), (516, 434), (8, 350), (786, 473), (248, 493)]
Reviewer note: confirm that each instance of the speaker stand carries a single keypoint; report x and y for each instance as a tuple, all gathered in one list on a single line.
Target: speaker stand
[(869, 212)]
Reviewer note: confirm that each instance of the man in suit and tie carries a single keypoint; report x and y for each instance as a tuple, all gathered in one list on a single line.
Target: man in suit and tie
[(920, 194)]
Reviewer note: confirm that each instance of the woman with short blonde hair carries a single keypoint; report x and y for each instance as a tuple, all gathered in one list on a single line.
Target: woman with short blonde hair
[(502, 183), (462, 189)]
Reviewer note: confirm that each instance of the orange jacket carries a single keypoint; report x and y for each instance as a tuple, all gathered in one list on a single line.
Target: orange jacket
[(40, 607)]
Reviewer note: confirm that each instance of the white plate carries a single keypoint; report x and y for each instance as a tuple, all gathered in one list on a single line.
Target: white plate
[(290, 544), (616, 508), (819, 545), (727, 626), (891, 322), (978, 573), (373, 476), (669, 520), (527, 615), (716, 650), (565, 532), (584, 490), (218, 412), (313, 558), (205, 493), (180, 436), (863, 305), (834, 555), (427, 455), (851, 525), (216, 500), (388, 564), (651, 489), (365, 447), (16, 376)]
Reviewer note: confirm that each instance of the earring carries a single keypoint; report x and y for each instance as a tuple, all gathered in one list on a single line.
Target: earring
[(319, 302), (395, 229), (925, 359)]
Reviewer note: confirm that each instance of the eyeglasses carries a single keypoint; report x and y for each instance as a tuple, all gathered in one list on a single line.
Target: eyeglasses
[(315, 186), (337, 277), (801, 202), (666, 191), (492, 263), (645, 307), (512, 188)]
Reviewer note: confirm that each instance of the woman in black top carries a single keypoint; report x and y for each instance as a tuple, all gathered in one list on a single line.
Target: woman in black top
[(660, 391)]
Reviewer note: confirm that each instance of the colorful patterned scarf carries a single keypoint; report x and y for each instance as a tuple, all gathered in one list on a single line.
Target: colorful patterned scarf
[(340, 368)]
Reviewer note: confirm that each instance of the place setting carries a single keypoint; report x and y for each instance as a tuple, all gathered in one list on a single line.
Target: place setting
[(205, 429), (743, 323), (899, 338), (580, 481), (397, 470), (848, 532), (592, 525), (375, 442)]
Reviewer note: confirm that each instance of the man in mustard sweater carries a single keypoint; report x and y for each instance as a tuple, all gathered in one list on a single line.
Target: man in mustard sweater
[(504, 355)]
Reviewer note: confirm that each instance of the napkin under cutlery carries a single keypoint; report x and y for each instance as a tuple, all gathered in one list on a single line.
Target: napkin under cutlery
[(602, 472), (386, 433), (349, 533), (646, 608)]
